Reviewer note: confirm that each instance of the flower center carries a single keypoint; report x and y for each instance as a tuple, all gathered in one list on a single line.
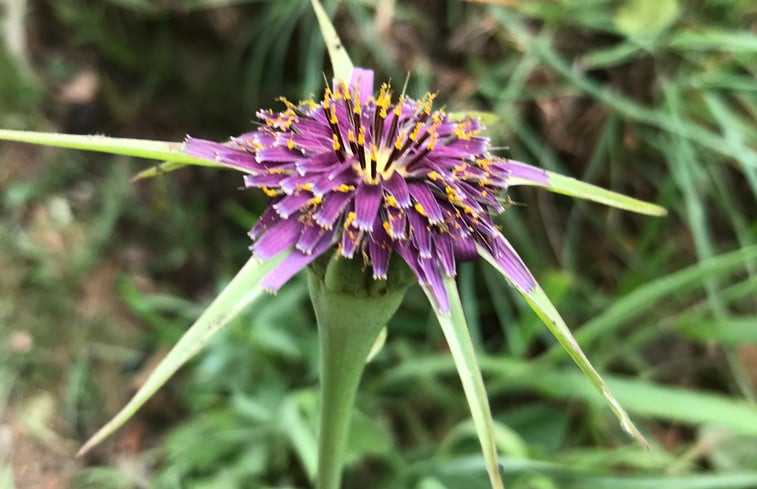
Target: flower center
[(381, 137)]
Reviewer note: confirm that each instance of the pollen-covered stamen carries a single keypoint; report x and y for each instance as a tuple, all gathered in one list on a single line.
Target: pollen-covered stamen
[(329, 108), (361, 148), (396, 113), (383, 100)]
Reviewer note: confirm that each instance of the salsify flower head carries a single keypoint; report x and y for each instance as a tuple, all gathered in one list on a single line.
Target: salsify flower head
[(374, 175)]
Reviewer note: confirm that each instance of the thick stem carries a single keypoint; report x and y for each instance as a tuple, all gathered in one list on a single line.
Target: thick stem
[(350, 318)]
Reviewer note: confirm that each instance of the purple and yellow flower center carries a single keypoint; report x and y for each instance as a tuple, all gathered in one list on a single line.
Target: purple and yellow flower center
[(374, 175)]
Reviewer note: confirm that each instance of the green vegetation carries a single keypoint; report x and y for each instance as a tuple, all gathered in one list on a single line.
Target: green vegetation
[(99, 276)]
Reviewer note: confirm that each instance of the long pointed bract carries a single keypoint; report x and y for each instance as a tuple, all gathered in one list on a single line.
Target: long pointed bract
[(139, 148), (543, 307), (241, 291), (575, 188), (460, 344), (340, 59)]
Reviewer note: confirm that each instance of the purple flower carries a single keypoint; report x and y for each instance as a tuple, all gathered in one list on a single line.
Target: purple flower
[(375, 176)]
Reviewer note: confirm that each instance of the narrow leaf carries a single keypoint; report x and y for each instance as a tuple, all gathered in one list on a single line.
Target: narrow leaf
[(241, 291), (582, 190), (460, 344), (340, 59), (139, 148), (540, 303)]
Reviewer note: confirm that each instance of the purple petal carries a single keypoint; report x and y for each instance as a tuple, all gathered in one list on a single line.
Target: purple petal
[(420, 233), (445, 250), (350, 239), (202, 148), (327, 183), (435, 283), (266, 220), (292, 264), (429, 206), (522, 171), (311, 236), (463, 148), (465, 249), (278, 238), (278, 154), (397, 188), (292, 203), (317, 163), (362, 80), (296, 182), (367, 202), (331, 208), (513, 266), (397, 223), (220, 153), (380, 248), (264, 179)]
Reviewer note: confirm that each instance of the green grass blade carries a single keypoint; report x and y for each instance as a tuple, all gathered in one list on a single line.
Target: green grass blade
[(460, 344), (340, 59), (241, 291), (139, 148), (724, 330), (540, 303), (582, 190), (670, 403), (645, 297)]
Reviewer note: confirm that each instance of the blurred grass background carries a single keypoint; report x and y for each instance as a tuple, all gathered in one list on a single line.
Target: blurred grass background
[(99, 276)]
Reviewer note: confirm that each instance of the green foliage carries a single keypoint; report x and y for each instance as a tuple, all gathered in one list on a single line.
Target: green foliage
[(102, 273)]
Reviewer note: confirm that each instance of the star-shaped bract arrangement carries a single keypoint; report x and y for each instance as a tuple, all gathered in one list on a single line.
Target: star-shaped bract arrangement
[(375, 175)]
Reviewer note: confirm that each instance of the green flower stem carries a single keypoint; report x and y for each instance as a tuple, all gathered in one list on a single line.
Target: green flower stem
[(351, 309)]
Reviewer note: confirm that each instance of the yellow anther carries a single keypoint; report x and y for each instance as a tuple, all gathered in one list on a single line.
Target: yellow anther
[(421, 210), (416, 131), (269, 192), (290, 143), (484, 163), (452, 196), (387, 227), (349, 219), (400, 139), (398, 107), (345, 90), (326, 98), (332, 115), (383, 100), (315, 200), (374, 152), (432, 143), (306, 186), (361, 136), (429, 103), (434, 175), (345, 188), (335, 144), (351, 135), (289, 105), (390, 201)]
